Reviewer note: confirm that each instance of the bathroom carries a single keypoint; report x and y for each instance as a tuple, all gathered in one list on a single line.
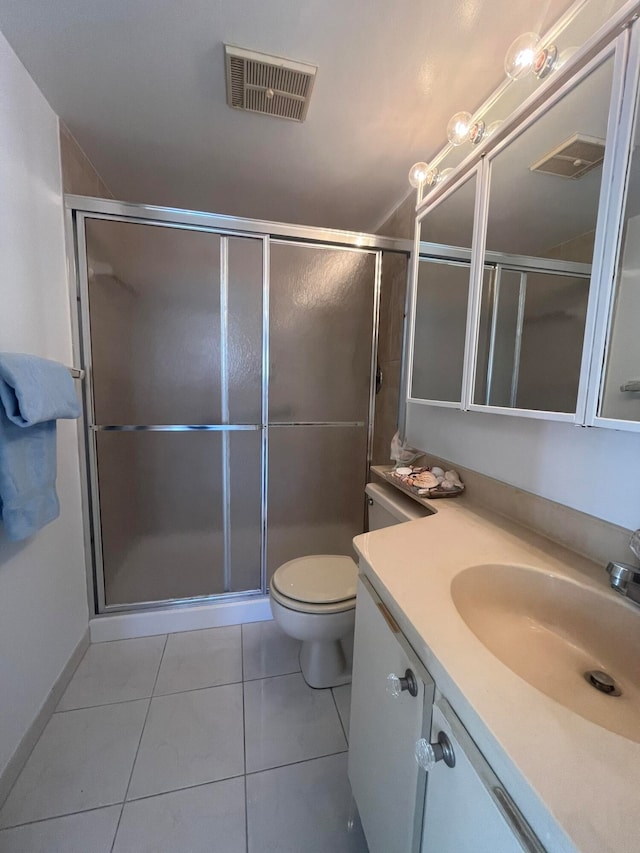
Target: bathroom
[(248, 309)]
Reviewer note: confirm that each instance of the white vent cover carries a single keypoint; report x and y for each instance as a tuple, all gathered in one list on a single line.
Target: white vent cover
[(267, 84), (573, 158)]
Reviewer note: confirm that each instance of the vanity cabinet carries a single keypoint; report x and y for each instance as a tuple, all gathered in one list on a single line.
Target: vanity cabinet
[(467, 809), (451, 809)]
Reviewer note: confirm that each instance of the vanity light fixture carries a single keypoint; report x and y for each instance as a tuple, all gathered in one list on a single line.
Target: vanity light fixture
[(477, 132), (521, 56), (459, 128), (491, 129), (545, 61)]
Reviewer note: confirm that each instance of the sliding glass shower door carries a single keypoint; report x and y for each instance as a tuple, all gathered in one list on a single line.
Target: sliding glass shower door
[(175, 320), (322, 309), (228, 403)]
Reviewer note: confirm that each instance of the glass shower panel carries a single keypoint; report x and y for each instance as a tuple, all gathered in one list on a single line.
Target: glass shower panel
[(245, 509), (154, 302), (161, 514), (244, 358), (321, 317), (316, 499)]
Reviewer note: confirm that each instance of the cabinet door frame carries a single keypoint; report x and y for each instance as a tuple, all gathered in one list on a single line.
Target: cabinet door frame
[(444, 253), (612, 239)]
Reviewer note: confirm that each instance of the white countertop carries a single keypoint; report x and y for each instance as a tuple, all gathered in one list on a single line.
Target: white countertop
[(577, 784)]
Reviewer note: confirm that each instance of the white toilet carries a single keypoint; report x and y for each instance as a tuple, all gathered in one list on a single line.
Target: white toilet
[(313, 598)]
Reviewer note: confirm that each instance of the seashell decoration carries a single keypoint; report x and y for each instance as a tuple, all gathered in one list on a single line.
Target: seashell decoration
[(439, 472), (428, 482)]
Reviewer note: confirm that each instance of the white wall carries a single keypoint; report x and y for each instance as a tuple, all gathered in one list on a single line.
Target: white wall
[(43, 603), (596, 471)]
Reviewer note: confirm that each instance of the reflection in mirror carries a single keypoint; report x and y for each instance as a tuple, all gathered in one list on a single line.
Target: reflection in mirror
[(543, 207), (623, 356), (442, 294), (531, 335)]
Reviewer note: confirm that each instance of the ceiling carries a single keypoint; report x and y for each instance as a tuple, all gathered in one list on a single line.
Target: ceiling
[(141, 86)]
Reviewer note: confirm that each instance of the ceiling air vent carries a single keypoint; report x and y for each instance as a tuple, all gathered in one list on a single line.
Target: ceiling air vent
[(268, 84), (573, 158)]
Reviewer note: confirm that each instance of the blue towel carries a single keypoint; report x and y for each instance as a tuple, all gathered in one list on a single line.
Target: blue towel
[(34, 392)]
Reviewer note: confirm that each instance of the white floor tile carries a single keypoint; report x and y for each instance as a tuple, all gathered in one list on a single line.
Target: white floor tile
[(195, 659), (304, 806), (78, 833), (114, 672), (267, 651), (342, 696), (190, 738), (206, 819), (82, 761), (286, 721)]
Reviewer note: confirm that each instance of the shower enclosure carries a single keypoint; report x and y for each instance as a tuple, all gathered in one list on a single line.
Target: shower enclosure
[(229, 396)]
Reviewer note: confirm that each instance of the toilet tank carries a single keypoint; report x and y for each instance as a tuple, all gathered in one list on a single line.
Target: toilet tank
[(389, 506)]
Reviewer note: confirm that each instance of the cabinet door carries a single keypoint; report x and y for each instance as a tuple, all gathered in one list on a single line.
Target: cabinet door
[(467, 809), (387, 784)]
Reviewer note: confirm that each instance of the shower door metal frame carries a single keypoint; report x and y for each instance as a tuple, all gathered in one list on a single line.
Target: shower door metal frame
[(80, 208)]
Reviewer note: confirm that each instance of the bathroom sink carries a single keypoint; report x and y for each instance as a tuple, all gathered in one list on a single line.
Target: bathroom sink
[(550, 631)]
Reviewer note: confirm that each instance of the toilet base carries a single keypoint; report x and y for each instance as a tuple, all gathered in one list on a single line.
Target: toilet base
[(324, 663)]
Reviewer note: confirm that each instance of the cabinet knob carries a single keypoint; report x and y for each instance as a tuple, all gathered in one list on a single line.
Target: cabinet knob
[(428, 754), (396, 684)]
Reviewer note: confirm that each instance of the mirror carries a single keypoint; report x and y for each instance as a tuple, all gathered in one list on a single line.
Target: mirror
[(543, 207), (620, 395), (442, 296)]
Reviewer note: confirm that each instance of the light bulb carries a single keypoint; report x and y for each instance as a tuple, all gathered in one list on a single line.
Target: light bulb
[(458, 128), (565, 56), (418, 174), (444, 174), (491, 129), (521, 55)]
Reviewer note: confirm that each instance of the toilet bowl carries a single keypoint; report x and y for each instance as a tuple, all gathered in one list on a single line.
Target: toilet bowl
[(313, 599)]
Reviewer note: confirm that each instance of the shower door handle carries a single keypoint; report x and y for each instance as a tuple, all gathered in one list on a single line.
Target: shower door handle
[(378, 378)]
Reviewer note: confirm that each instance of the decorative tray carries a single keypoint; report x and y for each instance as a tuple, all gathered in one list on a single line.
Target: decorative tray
[(410, 482)]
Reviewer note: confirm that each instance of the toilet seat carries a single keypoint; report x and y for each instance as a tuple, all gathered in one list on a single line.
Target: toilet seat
[(320, 583)]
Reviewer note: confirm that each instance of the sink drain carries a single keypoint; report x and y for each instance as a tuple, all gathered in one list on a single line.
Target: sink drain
[(603, 682)]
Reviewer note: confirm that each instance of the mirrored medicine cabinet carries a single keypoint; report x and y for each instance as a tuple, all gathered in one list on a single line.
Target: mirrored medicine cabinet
[(525, 298)]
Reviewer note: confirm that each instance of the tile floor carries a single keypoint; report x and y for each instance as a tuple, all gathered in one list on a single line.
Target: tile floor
[(200, 741)]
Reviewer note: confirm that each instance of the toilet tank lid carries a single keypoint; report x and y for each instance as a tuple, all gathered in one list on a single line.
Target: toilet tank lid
[(317, 579), (400, 506)]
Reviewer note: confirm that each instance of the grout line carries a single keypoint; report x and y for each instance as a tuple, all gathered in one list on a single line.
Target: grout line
[(171, 791), (135, 758), (293, 763), (335, 702), (244, 747), (58, 816)]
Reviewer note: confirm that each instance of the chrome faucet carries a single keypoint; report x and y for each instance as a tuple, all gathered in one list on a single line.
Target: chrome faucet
[(625, 579)]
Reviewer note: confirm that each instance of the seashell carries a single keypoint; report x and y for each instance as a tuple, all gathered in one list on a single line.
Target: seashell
[(448, 485), (440, 479), (402, 472), (439, 472), (452, 475), (425, 480)]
